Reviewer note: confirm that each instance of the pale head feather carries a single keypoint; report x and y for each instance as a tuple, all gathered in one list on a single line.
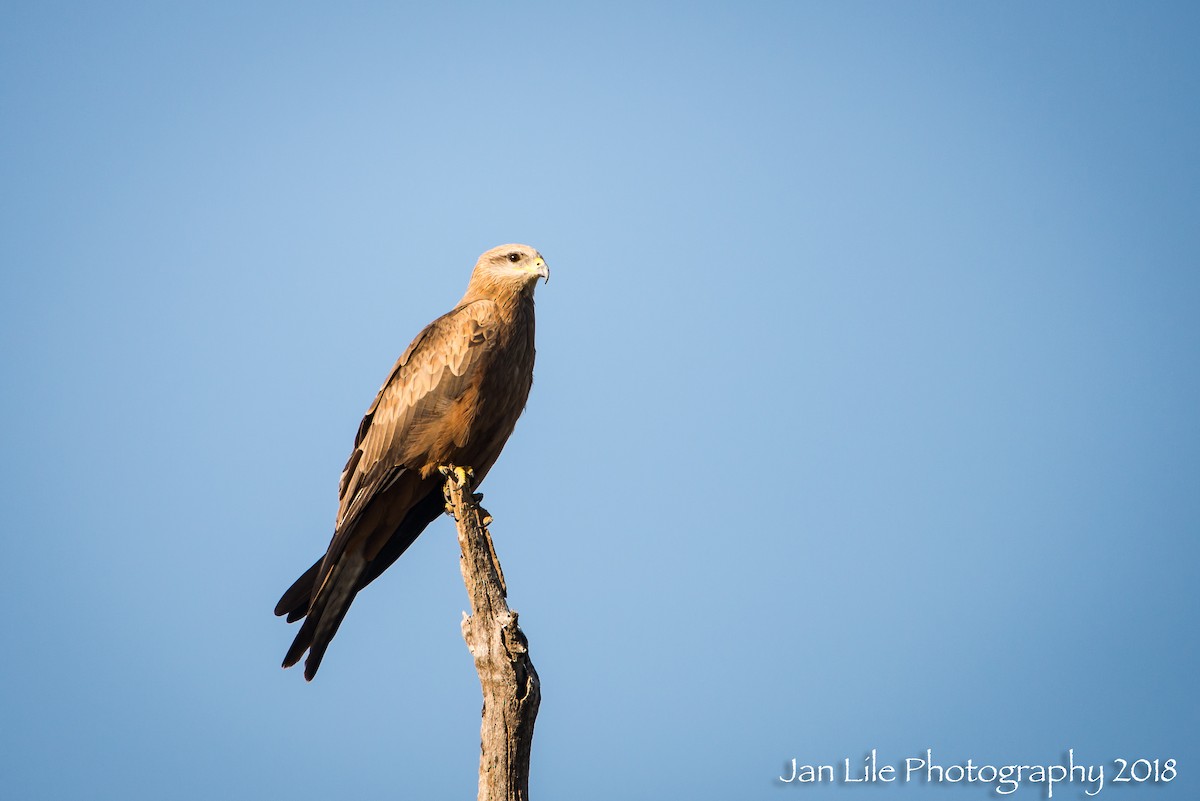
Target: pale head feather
[(507, 270)]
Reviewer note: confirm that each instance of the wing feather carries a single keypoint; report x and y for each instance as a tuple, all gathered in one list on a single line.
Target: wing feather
[(434, 371)]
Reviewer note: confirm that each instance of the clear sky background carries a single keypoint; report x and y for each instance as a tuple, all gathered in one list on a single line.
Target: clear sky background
[(865, 412)]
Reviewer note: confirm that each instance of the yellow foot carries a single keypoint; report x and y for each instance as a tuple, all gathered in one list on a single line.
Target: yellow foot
[(464, 476), (461, 476)]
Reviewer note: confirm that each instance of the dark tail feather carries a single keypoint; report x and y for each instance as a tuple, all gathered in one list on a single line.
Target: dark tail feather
[(326, 614), (296, 600), (344, 584)]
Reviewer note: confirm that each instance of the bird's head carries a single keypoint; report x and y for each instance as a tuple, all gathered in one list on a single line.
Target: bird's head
[(511, 266)]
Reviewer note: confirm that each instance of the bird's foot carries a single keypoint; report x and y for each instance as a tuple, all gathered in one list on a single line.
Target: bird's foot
[(462, 475), (462, 478)]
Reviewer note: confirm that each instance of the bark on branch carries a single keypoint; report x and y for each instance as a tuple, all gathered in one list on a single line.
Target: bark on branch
[(511, 691)]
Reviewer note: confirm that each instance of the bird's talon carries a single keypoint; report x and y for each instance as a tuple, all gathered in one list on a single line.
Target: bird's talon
[(463, 476)]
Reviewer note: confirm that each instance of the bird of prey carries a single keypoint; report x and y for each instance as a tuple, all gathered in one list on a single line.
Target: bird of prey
[(453, 397)]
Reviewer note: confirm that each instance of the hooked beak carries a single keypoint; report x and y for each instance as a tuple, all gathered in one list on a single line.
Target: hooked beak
[(543, 270)]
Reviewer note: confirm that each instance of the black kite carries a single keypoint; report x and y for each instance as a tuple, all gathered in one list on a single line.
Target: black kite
[(453, 397)]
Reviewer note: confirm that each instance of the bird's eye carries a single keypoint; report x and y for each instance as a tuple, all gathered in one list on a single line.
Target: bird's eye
[(514, 257)]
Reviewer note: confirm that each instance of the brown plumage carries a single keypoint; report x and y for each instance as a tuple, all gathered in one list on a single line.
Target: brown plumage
[(453, 397)]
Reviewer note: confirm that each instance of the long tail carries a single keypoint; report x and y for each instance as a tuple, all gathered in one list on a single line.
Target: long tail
[(324, 611), (298, 598), (326, 614)]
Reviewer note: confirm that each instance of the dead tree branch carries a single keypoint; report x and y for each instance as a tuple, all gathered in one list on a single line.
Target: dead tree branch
[(511, 691)]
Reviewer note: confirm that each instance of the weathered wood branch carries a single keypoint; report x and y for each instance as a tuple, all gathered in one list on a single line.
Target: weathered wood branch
[(511, 691)]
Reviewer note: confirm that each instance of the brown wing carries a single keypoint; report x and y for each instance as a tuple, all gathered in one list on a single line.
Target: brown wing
[(385, 481), (436, 370)]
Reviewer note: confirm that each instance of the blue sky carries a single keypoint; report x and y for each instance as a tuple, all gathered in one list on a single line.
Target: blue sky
[(864, 413)]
